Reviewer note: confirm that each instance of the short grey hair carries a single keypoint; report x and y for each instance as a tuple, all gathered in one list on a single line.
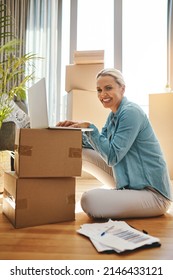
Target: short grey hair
[(115, 73)]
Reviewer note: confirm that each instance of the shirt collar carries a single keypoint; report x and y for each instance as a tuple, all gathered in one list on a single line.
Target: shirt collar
[(123, 102)]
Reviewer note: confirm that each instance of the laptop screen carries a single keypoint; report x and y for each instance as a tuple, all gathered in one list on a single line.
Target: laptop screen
[(37, 105)]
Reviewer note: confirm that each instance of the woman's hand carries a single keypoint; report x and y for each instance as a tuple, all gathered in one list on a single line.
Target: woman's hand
[(65, 123), (73, 124)]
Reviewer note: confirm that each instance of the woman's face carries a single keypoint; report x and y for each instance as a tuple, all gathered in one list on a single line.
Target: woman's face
[(110, 93)]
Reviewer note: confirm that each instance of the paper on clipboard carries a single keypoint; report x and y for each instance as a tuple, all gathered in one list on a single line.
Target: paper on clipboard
[(120, 238)]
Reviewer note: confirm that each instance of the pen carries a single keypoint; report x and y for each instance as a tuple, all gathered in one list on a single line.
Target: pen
[(144, 231), (103, 233)]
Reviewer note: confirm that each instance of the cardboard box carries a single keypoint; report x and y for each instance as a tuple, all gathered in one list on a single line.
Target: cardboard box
[(85, 105), (48, 153), (89, 57), (31, 202), (82, 76), (161, 116)]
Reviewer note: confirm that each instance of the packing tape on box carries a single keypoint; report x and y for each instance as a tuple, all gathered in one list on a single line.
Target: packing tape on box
[(23, 150), (27, 151), (71, 199), (75, 153)]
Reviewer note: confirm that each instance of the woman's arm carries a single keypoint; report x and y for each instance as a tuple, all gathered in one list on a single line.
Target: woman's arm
[(124, 133)]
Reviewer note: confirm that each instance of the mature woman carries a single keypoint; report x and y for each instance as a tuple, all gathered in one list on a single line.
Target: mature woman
[(126, 155)]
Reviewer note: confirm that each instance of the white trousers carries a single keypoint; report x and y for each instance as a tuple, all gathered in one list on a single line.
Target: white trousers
[(113, 203)]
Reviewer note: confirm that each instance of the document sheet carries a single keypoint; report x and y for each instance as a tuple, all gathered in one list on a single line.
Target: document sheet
[(117, 236)]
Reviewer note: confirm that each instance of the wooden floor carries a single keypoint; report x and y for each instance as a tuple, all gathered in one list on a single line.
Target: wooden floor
[(61, 242)]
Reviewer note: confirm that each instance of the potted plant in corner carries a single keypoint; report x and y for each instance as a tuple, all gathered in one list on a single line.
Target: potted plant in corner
[(16, 70), (12, 87)]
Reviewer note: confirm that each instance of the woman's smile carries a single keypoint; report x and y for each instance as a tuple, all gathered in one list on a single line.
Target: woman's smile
[(106, 100)]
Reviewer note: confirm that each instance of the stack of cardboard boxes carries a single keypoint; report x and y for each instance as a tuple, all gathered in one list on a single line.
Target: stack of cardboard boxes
[(80, 85), (42, 188)]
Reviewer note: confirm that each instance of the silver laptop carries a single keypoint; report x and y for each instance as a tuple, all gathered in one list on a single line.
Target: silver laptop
[(38, 109)]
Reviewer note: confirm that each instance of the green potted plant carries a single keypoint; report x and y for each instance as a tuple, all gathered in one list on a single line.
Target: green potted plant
[(16, 70)]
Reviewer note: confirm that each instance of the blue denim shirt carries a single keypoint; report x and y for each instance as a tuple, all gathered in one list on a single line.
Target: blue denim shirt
[(128, 144)]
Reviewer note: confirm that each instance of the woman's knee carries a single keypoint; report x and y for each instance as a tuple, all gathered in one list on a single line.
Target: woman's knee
[(86, 203), (89, 202), (97, 203)]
